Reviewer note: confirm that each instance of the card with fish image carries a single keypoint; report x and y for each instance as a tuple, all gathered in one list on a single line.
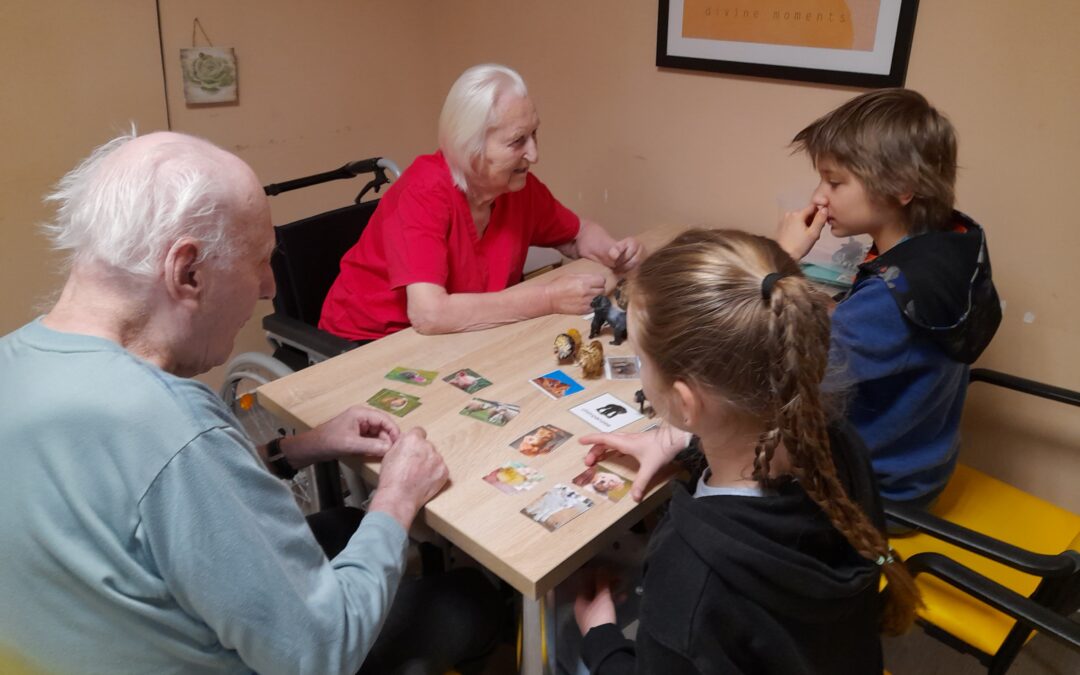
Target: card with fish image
[(412, 376), (394, 402), (491, 412)]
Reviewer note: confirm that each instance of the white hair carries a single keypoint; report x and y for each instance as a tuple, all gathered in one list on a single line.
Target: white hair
[(126, 213), (469, 114)]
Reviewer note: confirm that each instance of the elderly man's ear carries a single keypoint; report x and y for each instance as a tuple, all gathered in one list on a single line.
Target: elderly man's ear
[(184, 277)]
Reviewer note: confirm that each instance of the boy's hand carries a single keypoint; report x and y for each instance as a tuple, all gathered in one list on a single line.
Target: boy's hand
[(799, 230)]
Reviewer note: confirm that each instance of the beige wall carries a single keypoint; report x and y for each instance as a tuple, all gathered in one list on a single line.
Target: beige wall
[(52, 112), (621, 141)]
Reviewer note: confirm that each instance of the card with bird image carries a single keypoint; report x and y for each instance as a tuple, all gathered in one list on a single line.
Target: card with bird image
[(412, 376), (556, 384), (468, 380), (514, 477), (394, 402), (491, 412)]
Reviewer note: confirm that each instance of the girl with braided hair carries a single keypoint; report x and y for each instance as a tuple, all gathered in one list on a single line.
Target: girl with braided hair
[(771, 562)]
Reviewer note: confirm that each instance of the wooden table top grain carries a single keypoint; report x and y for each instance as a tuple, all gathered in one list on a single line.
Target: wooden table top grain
[(472, 514)]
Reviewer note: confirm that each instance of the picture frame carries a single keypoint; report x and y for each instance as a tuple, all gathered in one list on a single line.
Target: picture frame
[(852, 43)]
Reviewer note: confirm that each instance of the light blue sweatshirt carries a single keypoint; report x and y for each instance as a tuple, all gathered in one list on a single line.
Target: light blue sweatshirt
[(141, 533)]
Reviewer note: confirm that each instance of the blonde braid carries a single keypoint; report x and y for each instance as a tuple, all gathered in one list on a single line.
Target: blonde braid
[(802, 332)]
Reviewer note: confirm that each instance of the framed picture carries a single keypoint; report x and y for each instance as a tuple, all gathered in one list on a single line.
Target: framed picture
[(854, 43)]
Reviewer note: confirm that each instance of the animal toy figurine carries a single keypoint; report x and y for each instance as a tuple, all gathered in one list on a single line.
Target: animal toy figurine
[(591, 359), (605, 312), (622, 298), (644, 407), (567, 344)]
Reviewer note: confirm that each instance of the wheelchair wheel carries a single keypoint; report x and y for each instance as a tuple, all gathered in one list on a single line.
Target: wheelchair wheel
[(244, 374)]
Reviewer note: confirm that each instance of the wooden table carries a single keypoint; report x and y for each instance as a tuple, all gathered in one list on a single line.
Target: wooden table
[(472, 514)]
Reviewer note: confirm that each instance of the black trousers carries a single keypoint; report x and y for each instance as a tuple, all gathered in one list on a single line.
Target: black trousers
[(435, 623)]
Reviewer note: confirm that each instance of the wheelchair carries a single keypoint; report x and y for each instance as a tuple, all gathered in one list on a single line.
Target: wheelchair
[(305, 264)]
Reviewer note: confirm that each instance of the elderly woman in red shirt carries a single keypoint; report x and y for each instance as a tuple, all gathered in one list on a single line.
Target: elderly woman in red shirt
[(448, 241)]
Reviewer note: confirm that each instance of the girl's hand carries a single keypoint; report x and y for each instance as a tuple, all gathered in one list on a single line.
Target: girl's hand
[(653, 449), (594, 605)]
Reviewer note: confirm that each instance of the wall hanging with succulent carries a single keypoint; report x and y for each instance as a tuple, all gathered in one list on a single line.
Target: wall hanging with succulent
[(209, 72)]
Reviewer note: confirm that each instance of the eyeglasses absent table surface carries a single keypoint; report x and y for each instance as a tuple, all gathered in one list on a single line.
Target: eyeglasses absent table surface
[(473, 514)]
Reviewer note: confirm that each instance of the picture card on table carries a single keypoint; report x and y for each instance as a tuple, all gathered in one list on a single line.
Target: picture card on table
[(558, 506), (607, 412)]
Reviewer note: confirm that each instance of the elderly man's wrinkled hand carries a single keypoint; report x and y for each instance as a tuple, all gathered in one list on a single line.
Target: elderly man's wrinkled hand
[(625, 255), (572, 293), (357, 432), (412, 473)]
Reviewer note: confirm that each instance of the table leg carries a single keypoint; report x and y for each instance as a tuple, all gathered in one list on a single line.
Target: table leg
[(538, 635)]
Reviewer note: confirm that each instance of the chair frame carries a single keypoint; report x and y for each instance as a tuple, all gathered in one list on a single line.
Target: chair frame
[(1058, 592)]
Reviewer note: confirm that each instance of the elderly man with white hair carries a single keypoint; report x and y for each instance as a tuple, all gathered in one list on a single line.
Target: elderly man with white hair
[(448, 241), (142, 531)]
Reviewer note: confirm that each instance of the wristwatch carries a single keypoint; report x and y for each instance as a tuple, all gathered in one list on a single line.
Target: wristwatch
[(275, 458)]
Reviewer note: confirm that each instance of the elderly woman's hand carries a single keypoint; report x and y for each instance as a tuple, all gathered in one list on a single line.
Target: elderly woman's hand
[(572, 293), (625, 255)]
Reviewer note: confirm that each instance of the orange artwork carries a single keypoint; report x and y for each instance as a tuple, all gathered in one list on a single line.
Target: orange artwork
[(832, 24)]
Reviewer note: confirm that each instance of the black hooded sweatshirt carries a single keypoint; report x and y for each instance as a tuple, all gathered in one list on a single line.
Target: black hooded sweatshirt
[(739, 584)]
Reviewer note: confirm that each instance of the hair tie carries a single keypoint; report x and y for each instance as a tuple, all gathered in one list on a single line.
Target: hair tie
[(767, 285), (885, 559)]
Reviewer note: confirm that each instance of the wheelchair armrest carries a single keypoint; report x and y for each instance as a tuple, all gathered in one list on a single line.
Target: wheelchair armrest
[(1025, 386), (309, 338), (1038, 564), (1005, 600)]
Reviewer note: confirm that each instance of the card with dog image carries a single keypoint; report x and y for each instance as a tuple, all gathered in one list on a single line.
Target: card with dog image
[(394, 402), (541, 440), (603, 482), (607, 413)]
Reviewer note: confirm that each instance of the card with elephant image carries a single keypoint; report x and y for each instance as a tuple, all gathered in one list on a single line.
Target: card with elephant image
[(607, 412)]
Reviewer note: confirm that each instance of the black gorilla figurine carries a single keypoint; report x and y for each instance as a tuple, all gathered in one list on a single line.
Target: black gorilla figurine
[(605, 312)]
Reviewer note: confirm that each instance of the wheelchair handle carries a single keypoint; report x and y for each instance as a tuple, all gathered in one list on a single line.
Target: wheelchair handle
[(376, 165)]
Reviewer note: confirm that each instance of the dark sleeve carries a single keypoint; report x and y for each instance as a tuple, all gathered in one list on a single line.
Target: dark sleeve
[(606, 652)]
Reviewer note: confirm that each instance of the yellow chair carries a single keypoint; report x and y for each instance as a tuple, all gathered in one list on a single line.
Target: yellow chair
[(994, 563)]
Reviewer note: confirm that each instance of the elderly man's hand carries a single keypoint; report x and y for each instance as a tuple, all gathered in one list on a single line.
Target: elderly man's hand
[(798, 231), (572, 293), (357, 432), (412, 473)]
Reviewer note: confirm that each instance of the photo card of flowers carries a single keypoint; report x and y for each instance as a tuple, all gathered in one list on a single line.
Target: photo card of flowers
[(209, 75)]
